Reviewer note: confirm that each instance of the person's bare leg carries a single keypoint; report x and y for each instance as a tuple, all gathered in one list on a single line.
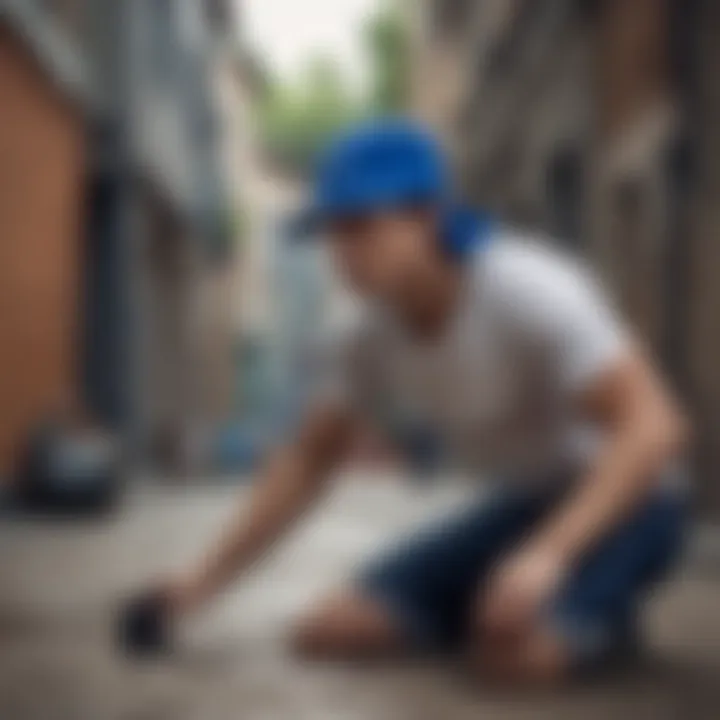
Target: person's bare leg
[(347, 626)]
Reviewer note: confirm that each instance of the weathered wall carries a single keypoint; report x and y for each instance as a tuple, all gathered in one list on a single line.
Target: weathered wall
[(41, 183)]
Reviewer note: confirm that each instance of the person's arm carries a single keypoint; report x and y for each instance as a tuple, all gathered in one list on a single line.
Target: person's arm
[(292, 479), (595, 368), (644, 431)]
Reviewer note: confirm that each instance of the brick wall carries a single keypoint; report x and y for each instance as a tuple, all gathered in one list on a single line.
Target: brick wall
[(41, 179)]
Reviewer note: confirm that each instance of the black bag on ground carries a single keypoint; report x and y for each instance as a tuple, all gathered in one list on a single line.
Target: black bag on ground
[(69, 471)]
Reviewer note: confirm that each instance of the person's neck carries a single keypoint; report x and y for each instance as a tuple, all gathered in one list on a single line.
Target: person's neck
[(435, 299)]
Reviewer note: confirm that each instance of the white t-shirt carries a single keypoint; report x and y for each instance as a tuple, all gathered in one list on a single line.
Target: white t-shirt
[(498, 388)]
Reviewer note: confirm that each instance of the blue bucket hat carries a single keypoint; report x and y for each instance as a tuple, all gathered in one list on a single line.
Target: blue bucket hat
[(385, 164)]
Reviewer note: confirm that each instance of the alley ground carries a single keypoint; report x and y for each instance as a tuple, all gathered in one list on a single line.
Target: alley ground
[(59, 587)]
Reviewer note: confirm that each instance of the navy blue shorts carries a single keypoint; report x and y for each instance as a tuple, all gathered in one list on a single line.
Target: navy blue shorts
[(429, 582)]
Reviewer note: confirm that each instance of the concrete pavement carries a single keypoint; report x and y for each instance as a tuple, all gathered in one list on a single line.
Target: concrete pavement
[(59, 586)]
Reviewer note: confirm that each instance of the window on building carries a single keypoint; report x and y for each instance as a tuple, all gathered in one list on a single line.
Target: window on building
[(526, 16), (191, 23), (220, 13), (589, 8), (449, 17), (162, 30), (564, 183), (70, 15), (626, 241)]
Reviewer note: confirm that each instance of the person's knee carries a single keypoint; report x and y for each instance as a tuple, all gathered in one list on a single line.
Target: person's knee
[(345, 626)]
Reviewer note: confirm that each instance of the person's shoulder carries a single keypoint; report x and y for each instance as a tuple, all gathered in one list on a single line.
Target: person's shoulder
[(530, 264), (515, 250)]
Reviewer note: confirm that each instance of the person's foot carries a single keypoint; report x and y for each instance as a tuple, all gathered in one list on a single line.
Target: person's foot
[(628, 648), (624, 654)]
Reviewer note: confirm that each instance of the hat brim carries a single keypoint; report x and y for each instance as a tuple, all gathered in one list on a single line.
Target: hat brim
[(460, 227), (366, 200)]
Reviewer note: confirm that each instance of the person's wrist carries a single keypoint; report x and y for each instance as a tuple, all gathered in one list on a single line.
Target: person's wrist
[(553, 553), (186, 594)]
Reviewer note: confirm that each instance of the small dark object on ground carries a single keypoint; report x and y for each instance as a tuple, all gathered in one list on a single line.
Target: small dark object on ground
[(144, 625), (67, 471)]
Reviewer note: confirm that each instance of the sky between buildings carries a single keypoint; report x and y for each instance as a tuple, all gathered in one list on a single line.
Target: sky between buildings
[(286, 32)]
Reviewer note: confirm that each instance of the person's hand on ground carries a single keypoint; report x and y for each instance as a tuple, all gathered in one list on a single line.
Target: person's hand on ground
[(147, 619), (144, 623), (519, 590)]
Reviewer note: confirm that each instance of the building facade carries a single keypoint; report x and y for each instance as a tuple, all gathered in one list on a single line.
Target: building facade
[(115, 100), (595, 120), (43, 149), (239, 84)]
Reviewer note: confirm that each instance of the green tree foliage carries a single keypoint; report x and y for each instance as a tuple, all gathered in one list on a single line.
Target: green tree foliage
[(386, 43), (296, 120)]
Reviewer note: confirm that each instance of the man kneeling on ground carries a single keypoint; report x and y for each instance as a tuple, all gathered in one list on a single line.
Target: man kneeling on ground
[(512, 355)]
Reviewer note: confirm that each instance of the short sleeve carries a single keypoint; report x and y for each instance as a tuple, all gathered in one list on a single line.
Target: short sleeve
[(560, 310), (339, 371)]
